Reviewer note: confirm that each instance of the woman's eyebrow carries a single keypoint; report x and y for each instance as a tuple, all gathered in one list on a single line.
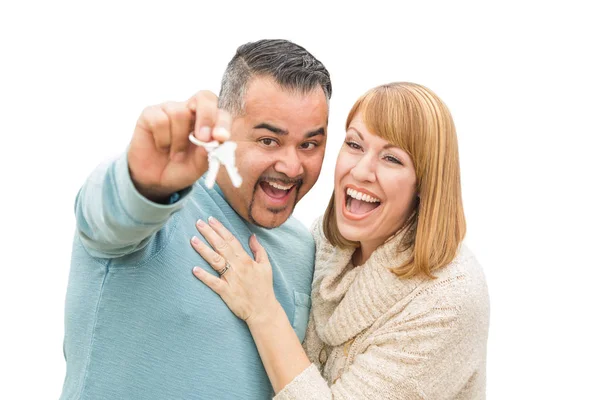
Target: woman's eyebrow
[(356, 130)]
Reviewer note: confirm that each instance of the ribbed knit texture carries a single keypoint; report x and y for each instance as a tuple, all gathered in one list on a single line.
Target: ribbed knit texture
[(372, 335)]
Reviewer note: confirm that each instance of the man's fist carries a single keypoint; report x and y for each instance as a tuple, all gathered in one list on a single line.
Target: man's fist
[(161, 158)]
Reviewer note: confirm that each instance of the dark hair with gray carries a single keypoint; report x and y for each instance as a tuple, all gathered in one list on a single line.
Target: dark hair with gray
[(288, 64)]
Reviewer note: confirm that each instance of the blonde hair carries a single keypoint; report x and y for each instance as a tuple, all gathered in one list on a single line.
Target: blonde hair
[(415, 119)]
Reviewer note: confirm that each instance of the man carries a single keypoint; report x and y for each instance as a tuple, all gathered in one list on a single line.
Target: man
[(137, 324)]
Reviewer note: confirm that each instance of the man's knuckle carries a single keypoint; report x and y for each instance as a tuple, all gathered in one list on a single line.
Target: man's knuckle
[(158, 120), (207, 96), (175, 110)]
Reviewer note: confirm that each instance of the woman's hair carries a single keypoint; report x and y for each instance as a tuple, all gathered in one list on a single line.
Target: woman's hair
[(413, 118)]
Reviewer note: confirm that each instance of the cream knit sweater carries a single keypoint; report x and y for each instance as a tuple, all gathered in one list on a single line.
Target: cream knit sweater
[(372, 335)]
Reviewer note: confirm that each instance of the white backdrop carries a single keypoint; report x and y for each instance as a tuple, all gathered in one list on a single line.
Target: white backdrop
[(521, 79)]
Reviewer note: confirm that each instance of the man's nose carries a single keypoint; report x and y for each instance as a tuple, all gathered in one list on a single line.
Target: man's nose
[(290, 164)]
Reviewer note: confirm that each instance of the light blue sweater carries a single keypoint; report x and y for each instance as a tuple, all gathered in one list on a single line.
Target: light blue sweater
[(138, 324)]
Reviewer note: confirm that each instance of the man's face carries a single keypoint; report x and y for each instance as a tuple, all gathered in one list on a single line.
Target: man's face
[(281, 140)]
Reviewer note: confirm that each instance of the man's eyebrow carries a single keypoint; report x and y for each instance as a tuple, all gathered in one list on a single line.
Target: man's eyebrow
[(283, 132), (274, 129), (320, 131)]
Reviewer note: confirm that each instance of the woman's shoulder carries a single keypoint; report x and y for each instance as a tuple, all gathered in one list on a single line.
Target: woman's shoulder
[(321, 242), (460, 285), (456, 302), (464, 269), (316, 228)]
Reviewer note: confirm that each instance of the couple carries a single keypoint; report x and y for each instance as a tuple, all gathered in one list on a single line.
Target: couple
[(380, 300)]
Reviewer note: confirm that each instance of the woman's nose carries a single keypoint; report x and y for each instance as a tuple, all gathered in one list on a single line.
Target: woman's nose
[(364, 170)]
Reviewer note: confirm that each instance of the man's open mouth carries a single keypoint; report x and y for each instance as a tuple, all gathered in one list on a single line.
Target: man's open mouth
[(277, 193), (276, 190)]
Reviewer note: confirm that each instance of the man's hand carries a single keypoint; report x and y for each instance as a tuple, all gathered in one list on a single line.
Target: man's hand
[(161, 158)]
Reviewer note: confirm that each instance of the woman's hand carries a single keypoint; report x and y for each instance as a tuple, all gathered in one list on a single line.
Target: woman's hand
[(245, 285)]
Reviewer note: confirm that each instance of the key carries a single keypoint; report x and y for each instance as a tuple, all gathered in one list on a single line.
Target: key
[(219, 154)]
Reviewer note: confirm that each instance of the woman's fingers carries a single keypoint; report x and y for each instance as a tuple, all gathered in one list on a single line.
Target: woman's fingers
[(227, 236), (245, 290), (220, 245), (217, 285), (216, 261), (260, 254)]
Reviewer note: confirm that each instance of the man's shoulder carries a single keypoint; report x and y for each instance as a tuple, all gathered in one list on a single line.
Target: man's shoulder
[(295, 224), (296, 229)]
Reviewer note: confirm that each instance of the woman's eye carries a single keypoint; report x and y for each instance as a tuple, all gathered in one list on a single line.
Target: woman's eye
[(268, 142), (353, 145), (392, 159)]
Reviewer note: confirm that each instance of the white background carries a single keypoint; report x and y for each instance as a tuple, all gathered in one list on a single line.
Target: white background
[(521, 79)]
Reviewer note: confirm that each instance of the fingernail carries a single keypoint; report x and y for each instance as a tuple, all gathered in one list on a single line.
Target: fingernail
[(200, 223), (195, 240), (204, 133), (197, 270), (212, 220), (221, 133)]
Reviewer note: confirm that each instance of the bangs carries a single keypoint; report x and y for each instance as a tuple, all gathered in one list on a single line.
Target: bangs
[(413, 118), (386, 113)]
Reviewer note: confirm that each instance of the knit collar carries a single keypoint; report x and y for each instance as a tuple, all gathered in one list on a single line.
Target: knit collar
[(347, 299)]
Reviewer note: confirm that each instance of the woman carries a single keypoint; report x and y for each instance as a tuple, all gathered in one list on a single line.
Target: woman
[(399, 307)]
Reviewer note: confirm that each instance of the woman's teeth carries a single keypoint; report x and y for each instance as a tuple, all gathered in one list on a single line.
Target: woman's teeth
[(355, 194)]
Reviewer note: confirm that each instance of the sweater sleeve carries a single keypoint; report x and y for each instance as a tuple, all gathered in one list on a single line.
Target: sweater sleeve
[(426, 355), (113, 218)]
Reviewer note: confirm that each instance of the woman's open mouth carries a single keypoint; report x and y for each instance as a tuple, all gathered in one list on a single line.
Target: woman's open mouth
[(359, 205)]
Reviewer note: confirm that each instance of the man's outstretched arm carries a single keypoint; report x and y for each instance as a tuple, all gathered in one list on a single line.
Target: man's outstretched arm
[(123, 203)]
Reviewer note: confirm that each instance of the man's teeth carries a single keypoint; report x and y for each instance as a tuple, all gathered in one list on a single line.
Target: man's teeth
[(355, 194), (280, 187)]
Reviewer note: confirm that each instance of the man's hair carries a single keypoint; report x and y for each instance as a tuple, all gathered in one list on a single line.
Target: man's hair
[(290, 65)]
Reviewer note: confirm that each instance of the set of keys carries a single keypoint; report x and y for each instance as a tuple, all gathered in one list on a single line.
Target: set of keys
[(219, 153)]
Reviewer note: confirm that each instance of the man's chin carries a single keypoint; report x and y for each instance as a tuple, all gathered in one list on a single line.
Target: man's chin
[(271, 217)]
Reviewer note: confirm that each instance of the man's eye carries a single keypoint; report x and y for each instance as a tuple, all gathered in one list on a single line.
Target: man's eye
[(268, 142), (308, 145)]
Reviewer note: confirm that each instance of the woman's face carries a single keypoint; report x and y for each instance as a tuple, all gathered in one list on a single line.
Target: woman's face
[(375, 187)]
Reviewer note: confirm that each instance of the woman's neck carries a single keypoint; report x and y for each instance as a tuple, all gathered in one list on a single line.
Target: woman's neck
[(363, 252), (367, 248)]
